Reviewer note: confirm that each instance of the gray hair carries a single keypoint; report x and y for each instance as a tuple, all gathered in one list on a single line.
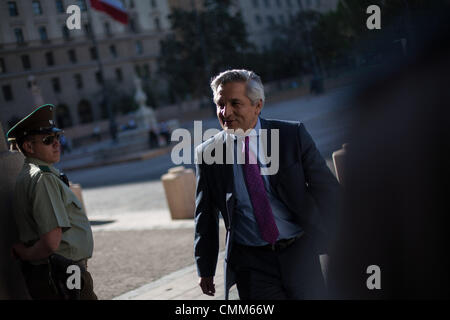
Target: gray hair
[(255, 88)]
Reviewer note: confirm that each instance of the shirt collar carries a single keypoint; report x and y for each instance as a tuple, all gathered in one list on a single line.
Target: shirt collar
[(42, 163), (254, 132)]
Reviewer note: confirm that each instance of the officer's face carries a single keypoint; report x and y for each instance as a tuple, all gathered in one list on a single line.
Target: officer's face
[(38, 147), (234, 108)]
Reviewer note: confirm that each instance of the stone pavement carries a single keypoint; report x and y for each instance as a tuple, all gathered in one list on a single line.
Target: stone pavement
[(181, 285), (144, 254), (178, 285), (91, 161)]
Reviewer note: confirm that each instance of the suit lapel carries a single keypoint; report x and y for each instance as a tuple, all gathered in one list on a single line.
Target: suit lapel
[(228, 178), (227, 172), (266, 145)]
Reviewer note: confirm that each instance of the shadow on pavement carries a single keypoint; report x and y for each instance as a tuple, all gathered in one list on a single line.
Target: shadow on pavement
[(100, 222)]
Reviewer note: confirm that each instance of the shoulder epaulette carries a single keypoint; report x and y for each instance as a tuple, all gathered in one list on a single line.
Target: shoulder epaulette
[(45, 168)]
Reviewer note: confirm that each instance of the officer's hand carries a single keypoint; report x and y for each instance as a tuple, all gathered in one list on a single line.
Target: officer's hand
[(14, 254), (207, 285), (18, 250)]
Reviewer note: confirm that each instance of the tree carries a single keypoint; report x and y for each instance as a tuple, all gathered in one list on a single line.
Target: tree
[(201, 44), (400, 20), (121, 101)]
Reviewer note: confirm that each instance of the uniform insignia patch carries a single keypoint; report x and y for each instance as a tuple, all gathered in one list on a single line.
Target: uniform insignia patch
[(45, 168)]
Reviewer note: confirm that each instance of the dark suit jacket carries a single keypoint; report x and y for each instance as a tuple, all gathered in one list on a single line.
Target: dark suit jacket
[(303, 183)]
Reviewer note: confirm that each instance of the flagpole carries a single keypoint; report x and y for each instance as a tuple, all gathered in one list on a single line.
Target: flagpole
[(111, 116)]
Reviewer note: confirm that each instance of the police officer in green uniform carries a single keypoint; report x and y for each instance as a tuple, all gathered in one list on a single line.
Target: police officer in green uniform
[(54, 230)]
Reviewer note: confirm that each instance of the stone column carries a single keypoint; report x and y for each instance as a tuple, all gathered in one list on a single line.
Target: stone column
[(12, 284)]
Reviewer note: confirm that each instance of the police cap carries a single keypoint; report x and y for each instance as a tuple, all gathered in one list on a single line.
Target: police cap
[(40, 121)]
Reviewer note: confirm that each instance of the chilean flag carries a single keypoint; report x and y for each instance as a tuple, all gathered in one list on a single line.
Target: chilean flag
[(113, 8)]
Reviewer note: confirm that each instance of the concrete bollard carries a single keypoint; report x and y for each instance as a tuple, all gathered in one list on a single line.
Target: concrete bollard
[(78, 191), (338, 160), (179, 186)]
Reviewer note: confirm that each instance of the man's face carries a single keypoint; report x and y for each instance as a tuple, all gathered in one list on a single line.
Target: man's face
[(234, 108), (49, 153)]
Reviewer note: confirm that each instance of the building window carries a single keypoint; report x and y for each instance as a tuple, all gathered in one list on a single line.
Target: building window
[(56, 85), (49, 59), (82, 5), (65, 33), (72, 56), (270, 20), (139, 48), (93, 52), (153, 3), (60, 6), (26, 62), (7, 93), (63, 117), (2, 66), (99, 77), (146, 71), (37, 9), (317, 3), (137, 70), (308, 3), (255, 3), (119, 75), (157, 24), (87, 29), (258, 19), (131, 4), (12, 7), (78, 81), (267, 3), (85, 112), (107, 28), (112, 49), (43, 33), (282, 21), (289, 3), (133, 25), (19, 35), (279, 4)]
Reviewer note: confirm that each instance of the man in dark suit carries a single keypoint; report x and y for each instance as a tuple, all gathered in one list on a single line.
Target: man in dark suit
[(277, 223)]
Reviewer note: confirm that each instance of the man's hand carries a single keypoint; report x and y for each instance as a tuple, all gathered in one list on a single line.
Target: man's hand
[(207, 285), (44, 247), (18, 251)]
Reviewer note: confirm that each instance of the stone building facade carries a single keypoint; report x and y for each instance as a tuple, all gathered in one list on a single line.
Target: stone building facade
[(260, 16), (34, 41)]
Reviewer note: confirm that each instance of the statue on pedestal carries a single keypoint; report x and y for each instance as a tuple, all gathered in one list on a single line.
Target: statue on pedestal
[(35, 91), (145, 116)]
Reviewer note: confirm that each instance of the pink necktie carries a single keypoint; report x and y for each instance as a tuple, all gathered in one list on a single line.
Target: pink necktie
[(258, 197)]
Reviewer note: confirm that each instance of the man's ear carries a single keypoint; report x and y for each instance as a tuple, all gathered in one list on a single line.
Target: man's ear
[(27, 146), (259, 106)]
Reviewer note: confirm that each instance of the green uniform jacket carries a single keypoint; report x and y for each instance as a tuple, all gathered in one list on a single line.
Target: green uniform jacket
[(43, 202)]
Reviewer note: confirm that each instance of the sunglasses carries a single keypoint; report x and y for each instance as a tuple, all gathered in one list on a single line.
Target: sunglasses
[(48, 140)]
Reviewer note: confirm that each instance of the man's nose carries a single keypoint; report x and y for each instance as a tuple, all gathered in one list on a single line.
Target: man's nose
[(226, 110), (56, 142)]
